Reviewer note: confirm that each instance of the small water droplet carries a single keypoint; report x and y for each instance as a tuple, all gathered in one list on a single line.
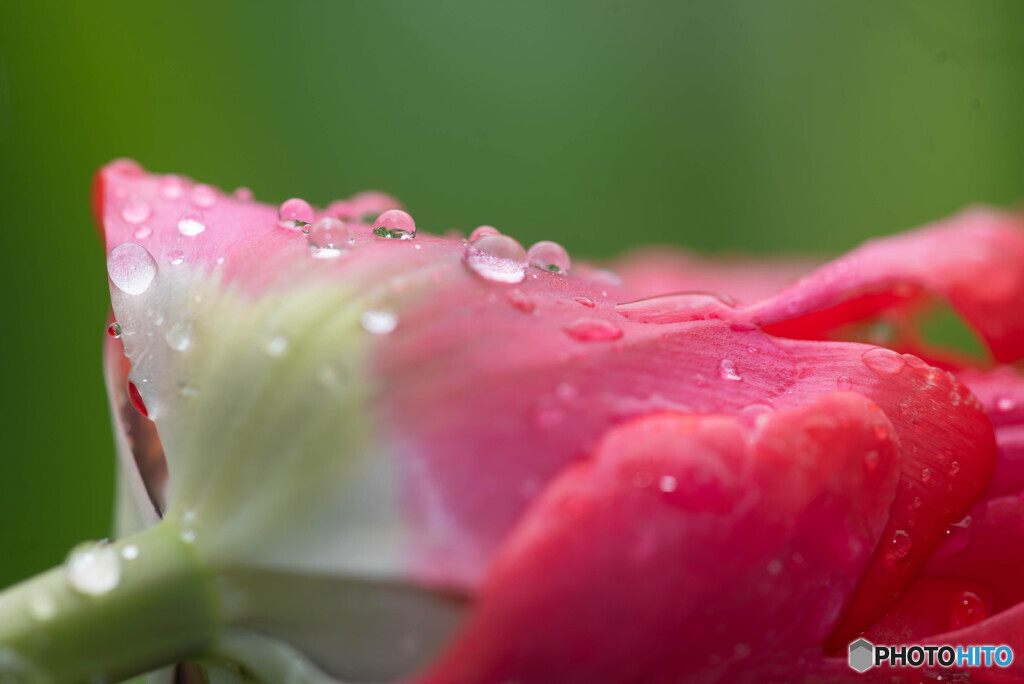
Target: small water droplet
[(727, 370), (917, 502), (677, 308), (966, 609), (843, 382), (549, 256), (136, 399), (667, 484), (395, 224), (179, 336), (774, 566), (498, 258), (327, 238), (135, 211), (926, 474), (114, 330), (204, 196), (130, 552), (1005, 404), (883, 361), (954, 467), (520, 300), (93, 568), (173, 187), (585, 301), (900, 545), (276, 345), (378, 322), (294, 214), (131, 268), (143, 233), (243, 194), (192, 222), (592, 330), (482, 231), (188, 536), (175, 257)]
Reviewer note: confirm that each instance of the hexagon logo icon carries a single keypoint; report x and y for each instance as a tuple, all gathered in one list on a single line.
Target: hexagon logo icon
[(862, 655)]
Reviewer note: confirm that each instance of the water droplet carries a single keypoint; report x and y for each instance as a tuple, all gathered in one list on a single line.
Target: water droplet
[(378, 322), (135, 211), (954, 468), (327, 238), (188, 536), (549, 256), (295, 214), (276, 345), (926, 474), (42, 607), (883, 361), (179, 336), (136, 399), (143, 233), (482, 231), (93, 568), (192, 222), (900, 545), (243, 194), (1005, 404), (395, 224), (498, 258), (131, 268), (520, 300), (917, 502), (592, 330), (114, 330), (677, 308), (667, 484), (175, 257), (966, 609), (774, 566), (204, 196), (130, 552), (843, 382), (727, 370), (173, 187)]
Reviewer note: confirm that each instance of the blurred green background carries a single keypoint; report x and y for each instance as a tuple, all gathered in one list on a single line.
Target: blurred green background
[(795, 125)]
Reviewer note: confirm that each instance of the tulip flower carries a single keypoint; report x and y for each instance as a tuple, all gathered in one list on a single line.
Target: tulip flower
[(352, 450)]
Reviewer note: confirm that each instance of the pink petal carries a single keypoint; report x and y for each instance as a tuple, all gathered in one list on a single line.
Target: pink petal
[(687, 547), (975, 260)]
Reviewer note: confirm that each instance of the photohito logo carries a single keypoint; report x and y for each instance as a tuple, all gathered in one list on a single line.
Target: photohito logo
[(864, 655)]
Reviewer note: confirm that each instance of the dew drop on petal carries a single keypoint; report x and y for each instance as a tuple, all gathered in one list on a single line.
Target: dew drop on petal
[(966, 609), (585, 301), (883, 361), (378, 322), (926, 474), (204, 196), (173, 187), (294, 214), (481, 231), (1005, 404), (143, 233), (727, 370), (243, 194), (130, 552), (93, 568), (135, 211), (178, 336), (549, 256), (327, 238), (667, 484), (899, 546), (131, 268), (843, 382), (175, 257), (774, 566), (276, 345), (395, 224), (954, 467), (520, 300), (192, 222), (498, 258), (592, 330), (114, 330)]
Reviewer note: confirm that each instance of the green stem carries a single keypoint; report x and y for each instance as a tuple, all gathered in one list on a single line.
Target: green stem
[(161, 611)]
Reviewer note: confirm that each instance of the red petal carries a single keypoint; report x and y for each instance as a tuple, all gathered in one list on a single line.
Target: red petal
[(1002, 394), (975, 260), (686, 548)]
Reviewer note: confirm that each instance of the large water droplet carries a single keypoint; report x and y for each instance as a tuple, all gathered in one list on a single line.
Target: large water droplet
[(677, 308), (136, 211), (883, 361), (93, 568), (481, 231), (843, 382), (727, 370), (498, 258), (295, 214), (966, 609), (192, 222), (131, 268), (204, 196), (592, 330), (378, 322), (395, 224), (549, 256), (327, 238)]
